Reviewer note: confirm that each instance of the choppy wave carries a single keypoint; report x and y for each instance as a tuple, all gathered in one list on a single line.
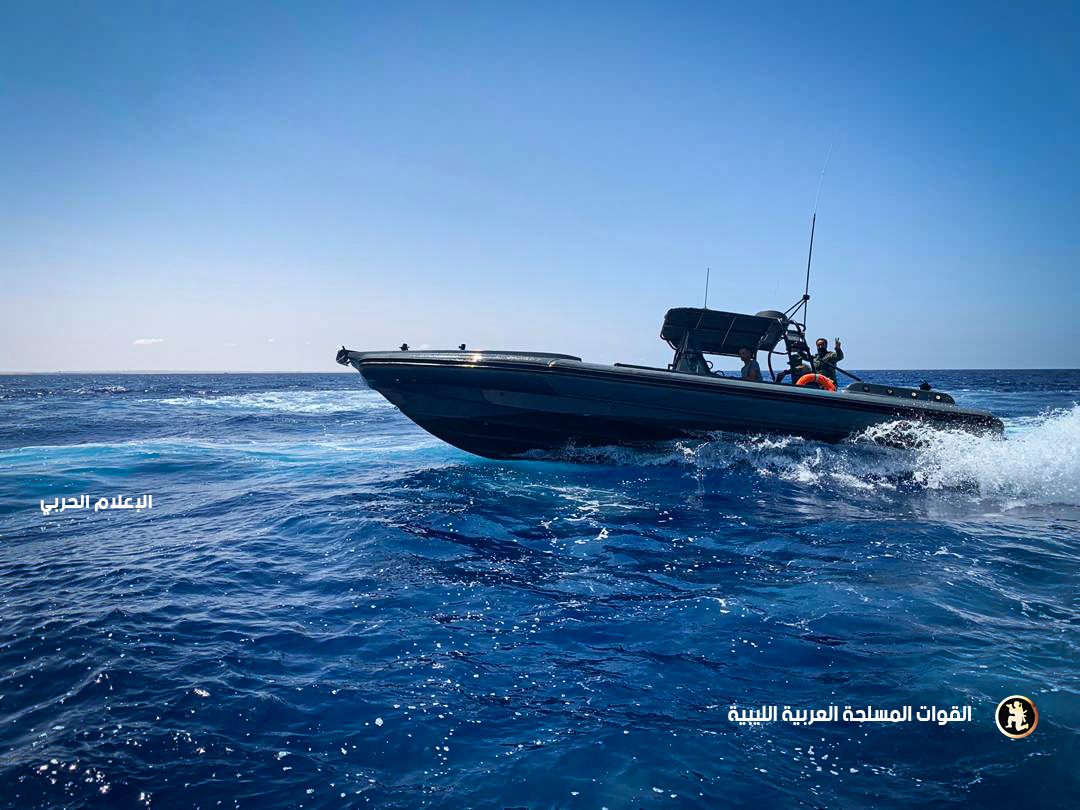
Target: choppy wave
[(313, 451), (299, 402), (37, 392), (1039, 463)]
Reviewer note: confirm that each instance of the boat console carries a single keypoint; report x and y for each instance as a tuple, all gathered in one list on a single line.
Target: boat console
[(694, 333)]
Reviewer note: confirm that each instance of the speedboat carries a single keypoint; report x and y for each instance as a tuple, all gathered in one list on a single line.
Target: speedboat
[(506, 404)]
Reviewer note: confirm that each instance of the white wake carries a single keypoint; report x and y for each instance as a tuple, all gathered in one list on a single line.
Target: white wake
[(1038, 462), (300, 402)]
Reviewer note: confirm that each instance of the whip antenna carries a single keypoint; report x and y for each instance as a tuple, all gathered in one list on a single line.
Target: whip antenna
[(706, 288)]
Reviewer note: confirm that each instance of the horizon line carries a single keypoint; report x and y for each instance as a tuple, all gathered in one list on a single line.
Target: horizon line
[(335, 371)]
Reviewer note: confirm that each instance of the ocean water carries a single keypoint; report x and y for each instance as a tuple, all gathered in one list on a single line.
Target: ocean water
[(326, 607)]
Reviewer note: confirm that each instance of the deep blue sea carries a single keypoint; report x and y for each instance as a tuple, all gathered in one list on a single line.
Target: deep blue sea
[(326, 607)]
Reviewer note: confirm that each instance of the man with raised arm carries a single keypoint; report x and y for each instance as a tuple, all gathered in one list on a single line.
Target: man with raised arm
[(825, 361)]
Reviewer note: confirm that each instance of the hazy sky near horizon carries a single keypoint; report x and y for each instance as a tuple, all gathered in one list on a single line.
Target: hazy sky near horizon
[(230, 186)]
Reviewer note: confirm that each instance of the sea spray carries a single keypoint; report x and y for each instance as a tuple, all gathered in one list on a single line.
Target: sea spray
[(1038, 462)]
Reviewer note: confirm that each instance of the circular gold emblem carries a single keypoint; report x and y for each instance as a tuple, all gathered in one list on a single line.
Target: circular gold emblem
[(1016, 716)]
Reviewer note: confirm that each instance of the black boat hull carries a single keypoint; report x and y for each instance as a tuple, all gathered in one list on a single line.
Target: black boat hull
[(504, 404)]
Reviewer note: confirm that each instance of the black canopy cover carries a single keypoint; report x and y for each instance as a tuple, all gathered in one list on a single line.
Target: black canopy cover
[(714, 332)]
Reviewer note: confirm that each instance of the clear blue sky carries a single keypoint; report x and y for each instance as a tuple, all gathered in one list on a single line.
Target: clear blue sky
[(248, 186)]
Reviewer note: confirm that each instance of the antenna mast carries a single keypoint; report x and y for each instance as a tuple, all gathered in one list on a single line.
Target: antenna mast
[(809, 258)]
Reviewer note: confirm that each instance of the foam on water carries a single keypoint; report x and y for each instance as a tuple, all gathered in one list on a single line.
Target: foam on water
[(101, 389), (299, 402), (1039, 463), (317, 451)]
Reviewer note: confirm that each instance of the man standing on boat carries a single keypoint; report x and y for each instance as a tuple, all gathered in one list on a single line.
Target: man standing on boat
[(825, 361)]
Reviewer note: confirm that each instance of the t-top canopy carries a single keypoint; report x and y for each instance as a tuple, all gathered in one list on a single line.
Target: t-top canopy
[(715, 332)]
